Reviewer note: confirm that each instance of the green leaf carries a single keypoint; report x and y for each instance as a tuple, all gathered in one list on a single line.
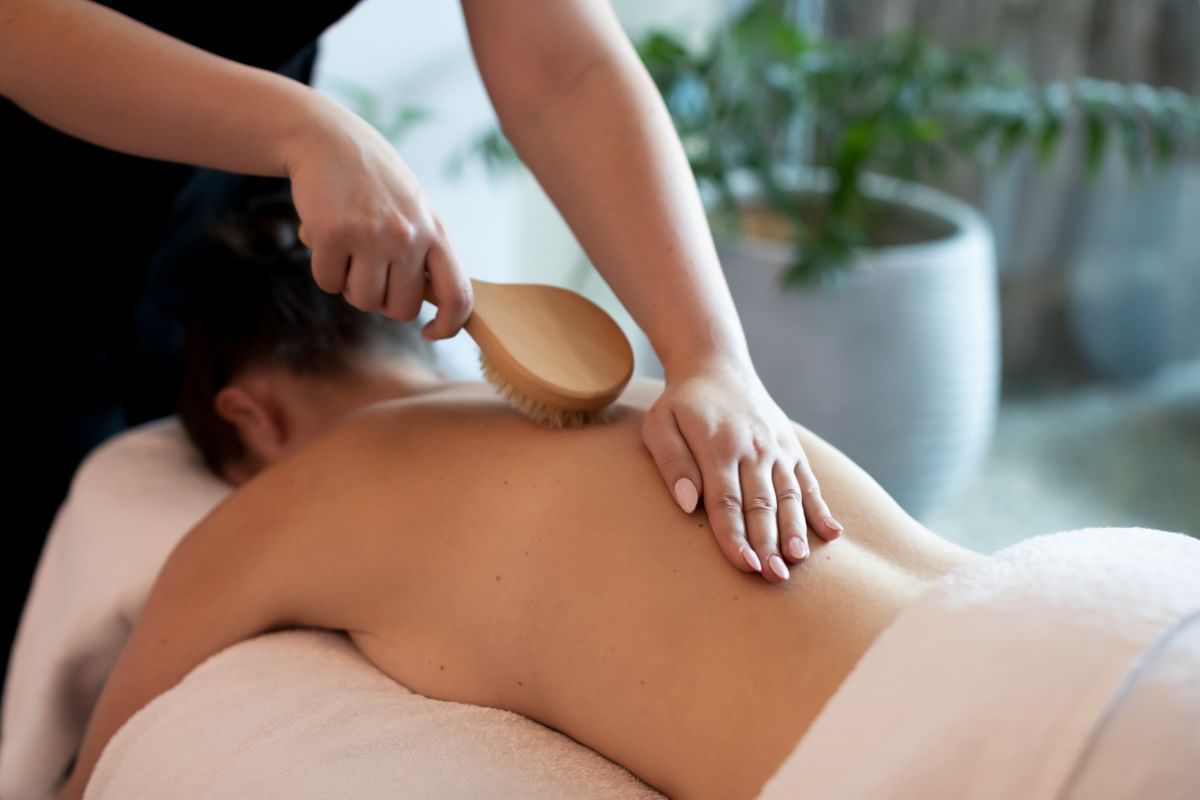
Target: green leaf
[(402, 121), (1053, 101), (1096, 138), (1164, 140), (788, 42), (660, 48), (925, 129), (1012, 133)]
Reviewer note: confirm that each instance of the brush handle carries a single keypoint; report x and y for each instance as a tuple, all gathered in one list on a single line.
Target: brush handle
[(553, 346)]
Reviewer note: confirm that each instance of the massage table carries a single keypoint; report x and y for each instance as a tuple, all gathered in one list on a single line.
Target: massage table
[(1063, 667)]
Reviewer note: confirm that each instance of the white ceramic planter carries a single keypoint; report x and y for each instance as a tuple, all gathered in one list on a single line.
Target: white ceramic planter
[(897, 361)]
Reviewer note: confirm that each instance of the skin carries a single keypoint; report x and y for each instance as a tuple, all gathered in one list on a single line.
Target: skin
[(583, 114), (516, 582)]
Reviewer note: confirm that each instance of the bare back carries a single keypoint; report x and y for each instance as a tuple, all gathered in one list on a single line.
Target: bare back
[(477, 558)]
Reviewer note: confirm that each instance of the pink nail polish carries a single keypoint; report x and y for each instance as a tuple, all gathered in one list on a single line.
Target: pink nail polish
[(686, 495), (752, 559), (778, 567), (796, 548)]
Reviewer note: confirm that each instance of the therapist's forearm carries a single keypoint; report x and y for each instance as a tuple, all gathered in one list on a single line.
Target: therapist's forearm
[(605, 151), (105, 78)]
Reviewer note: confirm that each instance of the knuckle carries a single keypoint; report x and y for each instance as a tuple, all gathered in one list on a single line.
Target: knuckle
[(760, 504), (726, 502), (342, 236), (727, 446), (325, 231), (457, 300), (401, 230), (329, 281), (358, 301), (789, 495), (356, 227)]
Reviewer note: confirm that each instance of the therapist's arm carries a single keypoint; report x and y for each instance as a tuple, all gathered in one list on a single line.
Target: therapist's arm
[(582, 112), (103, 77)]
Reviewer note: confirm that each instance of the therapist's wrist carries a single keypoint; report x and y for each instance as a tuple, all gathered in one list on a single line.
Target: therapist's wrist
[(731, 358), (314, 123)]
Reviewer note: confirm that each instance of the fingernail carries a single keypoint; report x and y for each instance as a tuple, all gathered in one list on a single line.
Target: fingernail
[(686, 495), (751, 559), (797, 549), (833, 524), (778, 567)]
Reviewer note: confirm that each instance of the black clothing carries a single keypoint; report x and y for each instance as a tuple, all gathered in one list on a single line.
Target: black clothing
[(90, 239)]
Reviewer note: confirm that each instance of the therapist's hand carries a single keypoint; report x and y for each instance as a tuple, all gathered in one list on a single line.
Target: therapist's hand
[(373, 235), (716, 434)]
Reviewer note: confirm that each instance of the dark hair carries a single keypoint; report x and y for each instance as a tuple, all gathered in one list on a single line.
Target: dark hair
[(251, 301)]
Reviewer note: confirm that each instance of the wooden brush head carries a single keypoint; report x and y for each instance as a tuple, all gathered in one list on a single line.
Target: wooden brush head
[(557, 350)]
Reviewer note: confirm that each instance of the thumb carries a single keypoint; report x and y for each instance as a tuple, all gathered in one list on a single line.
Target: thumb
[(452, 290), (661, 435)]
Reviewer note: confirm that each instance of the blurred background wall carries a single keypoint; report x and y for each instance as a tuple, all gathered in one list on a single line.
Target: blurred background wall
[(1099, 275), (1099, 278)]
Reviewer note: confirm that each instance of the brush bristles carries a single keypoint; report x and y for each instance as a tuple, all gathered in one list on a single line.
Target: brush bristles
[(542, 414)]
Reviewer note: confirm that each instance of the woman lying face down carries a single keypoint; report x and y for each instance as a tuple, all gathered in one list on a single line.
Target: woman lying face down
[(475, 557)]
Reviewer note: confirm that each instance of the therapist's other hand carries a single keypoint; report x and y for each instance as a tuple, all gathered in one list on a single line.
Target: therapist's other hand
[(715, 433), (373, 235)]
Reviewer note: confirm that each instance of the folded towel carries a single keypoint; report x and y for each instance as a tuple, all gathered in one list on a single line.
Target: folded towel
[(1149, 742), (302, 714), (1005, 678)]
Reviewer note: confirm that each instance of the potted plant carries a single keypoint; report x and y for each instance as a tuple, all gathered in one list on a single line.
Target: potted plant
[(869, 301)]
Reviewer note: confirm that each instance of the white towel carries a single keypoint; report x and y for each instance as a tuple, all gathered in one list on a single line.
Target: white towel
[(1002, 678), (1149, 741), (129, 504), (301, 715)]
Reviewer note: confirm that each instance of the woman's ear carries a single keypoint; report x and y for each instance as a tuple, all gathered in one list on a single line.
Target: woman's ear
[(259, 419)]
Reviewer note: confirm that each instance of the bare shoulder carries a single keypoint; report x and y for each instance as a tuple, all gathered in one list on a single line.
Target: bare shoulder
[(470, 413)]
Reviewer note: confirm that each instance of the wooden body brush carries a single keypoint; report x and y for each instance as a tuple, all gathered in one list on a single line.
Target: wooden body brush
[(554, 355)]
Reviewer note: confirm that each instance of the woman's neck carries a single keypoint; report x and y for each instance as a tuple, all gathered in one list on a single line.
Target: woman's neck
[(375, 380)]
